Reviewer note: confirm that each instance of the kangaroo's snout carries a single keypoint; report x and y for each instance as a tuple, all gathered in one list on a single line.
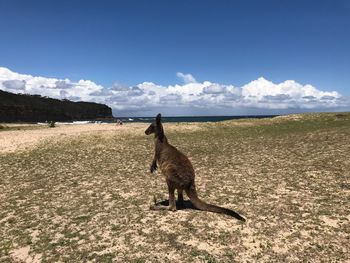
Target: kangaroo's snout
[(150, 129)]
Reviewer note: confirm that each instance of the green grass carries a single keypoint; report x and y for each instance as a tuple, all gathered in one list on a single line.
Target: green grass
[(87, 198)]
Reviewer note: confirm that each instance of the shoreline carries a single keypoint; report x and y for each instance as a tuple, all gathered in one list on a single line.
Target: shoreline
[(166, 119)]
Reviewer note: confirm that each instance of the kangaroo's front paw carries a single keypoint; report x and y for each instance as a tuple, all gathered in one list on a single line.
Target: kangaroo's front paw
[(153, 167)]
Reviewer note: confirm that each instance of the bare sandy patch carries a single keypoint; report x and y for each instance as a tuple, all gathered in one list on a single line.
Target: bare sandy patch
[(329, 221), (17, 140), (22, 254)]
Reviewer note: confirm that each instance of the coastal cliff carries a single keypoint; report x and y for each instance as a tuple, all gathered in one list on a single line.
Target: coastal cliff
[(34, 108)]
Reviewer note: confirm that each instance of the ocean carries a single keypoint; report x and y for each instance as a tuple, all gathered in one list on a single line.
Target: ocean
[(193, 118)]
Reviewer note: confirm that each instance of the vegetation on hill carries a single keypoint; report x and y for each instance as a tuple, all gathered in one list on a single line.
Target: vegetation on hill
[(34, 108)]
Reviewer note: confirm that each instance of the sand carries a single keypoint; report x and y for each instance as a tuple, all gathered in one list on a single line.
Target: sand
[(81, 193), (17, 140)]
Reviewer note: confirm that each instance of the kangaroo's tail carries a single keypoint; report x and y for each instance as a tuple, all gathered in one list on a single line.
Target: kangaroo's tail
[(201, 205)]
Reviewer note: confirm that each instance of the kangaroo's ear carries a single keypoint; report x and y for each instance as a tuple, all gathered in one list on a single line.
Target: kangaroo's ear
[(159, 128), (158, 118)]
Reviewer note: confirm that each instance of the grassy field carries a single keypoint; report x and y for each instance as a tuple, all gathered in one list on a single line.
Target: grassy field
[(86, 198)]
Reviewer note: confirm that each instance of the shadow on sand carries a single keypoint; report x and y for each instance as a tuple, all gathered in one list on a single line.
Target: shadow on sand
[(187, 204)]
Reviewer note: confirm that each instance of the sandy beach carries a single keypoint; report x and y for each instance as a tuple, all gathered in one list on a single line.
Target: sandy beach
[(18, 140), (81, 193)]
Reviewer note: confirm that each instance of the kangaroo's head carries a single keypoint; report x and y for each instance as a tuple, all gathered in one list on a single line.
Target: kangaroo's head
[(157, 128)]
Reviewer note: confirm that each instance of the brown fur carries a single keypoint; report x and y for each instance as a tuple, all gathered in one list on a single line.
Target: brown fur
[(178, 172)]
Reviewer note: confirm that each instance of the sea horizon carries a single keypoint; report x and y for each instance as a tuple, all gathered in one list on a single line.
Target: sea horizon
[(193, 118)]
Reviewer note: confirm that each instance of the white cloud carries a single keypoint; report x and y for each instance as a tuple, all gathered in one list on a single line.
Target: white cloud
[(15, 84), (63, 84), (50, 87), (214, 89), (262, 93), (135, 91), (257, 97), (186, 78)]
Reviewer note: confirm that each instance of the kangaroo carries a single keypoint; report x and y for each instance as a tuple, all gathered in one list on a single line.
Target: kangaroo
[(178, 172)]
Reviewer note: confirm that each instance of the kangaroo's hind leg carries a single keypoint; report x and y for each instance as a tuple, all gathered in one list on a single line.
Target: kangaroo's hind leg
[(180, 197), (172, 203)]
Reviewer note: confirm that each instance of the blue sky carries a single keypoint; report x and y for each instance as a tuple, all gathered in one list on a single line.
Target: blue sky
[(226, 42)]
